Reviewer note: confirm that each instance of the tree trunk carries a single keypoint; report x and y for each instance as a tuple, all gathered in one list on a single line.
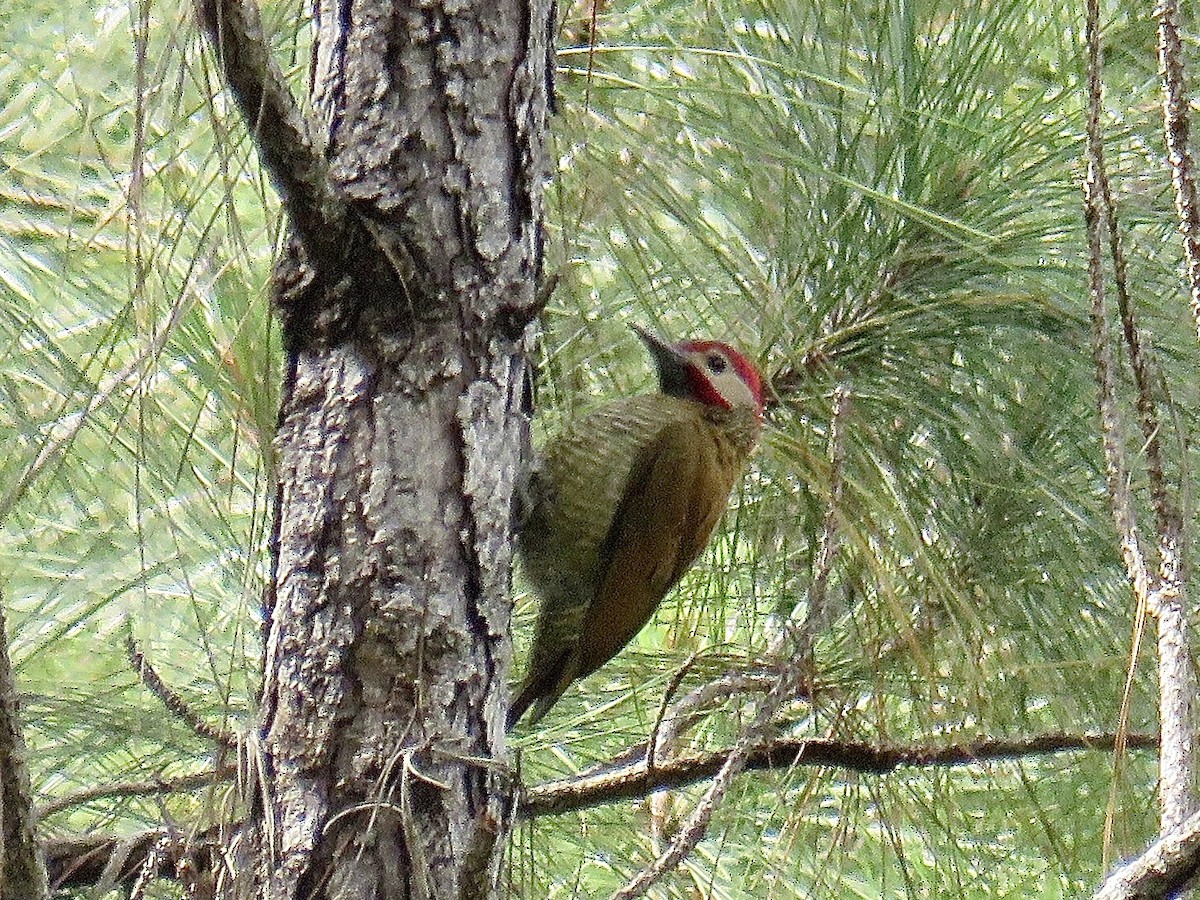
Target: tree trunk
[(22, 868), (402, 434)]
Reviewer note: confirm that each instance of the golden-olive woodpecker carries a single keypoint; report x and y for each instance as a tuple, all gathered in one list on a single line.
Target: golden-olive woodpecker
[(622, 503)]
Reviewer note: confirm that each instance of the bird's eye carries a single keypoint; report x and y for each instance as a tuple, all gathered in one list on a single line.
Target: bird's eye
[(716, 363)]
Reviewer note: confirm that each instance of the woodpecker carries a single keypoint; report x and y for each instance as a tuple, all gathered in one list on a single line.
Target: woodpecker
[(622, 503)]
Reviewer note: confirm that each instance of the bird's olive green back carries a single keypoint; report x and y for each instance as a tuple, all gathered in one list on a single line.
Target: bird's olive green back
[(622, 503)]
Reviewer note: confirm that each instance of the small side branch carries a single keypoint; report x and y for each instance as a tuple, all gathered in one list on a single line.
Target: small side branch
[(175, 704), (1161, 871), (281, 133), (154, 787), (636, 780)]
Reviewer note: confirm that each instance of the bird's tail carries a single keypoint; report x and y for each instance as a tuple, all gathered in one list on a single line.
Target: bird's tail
[(541, 689)]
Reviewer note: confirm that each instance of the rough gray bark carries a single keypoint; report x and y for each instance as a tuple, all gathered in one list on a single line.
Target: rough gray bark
[(1163, 870), (402, 432), (1176, 675), (1161, 594), (22, 869)]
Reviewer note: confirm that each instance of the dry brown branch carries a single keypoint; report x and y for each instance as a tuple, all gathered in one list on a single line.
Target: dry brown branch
[(1161, 871), (175, 704), (148, 788), (634, 781), (81, 862)]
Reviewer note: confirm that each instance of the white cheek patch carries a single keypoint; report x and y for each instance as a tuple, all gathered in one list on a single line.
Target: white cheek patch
[(735, 391)]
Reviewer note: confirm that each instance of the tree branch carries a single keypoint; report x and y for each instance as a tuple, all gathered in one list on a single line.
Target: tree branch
[(1177, 681), (329, 240), (627, 777), (634, 780), (138, 789), (85, 861), (1163, 594), (175, 704), (1116, 470), (281, 134), (1116, 467), (1161, 871), (1177, 127), (80, 862)]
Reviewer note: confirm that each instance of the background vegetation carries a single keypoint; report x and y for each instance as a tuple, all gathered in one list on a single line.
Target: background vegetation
[(884, 195)]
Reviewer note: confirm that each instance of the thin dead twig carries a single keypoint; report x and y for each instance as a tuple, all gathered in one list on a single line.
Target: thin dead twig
[(148, 788), (175, 704)]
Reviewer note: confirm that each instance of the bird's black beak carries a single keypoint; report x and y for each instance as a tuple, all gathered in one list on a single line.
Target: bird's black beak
[(671, 364)]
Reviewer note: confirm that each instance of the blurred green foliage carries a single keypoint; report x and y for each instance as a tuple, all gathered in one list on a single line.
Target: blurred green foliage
[(882, 194)]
